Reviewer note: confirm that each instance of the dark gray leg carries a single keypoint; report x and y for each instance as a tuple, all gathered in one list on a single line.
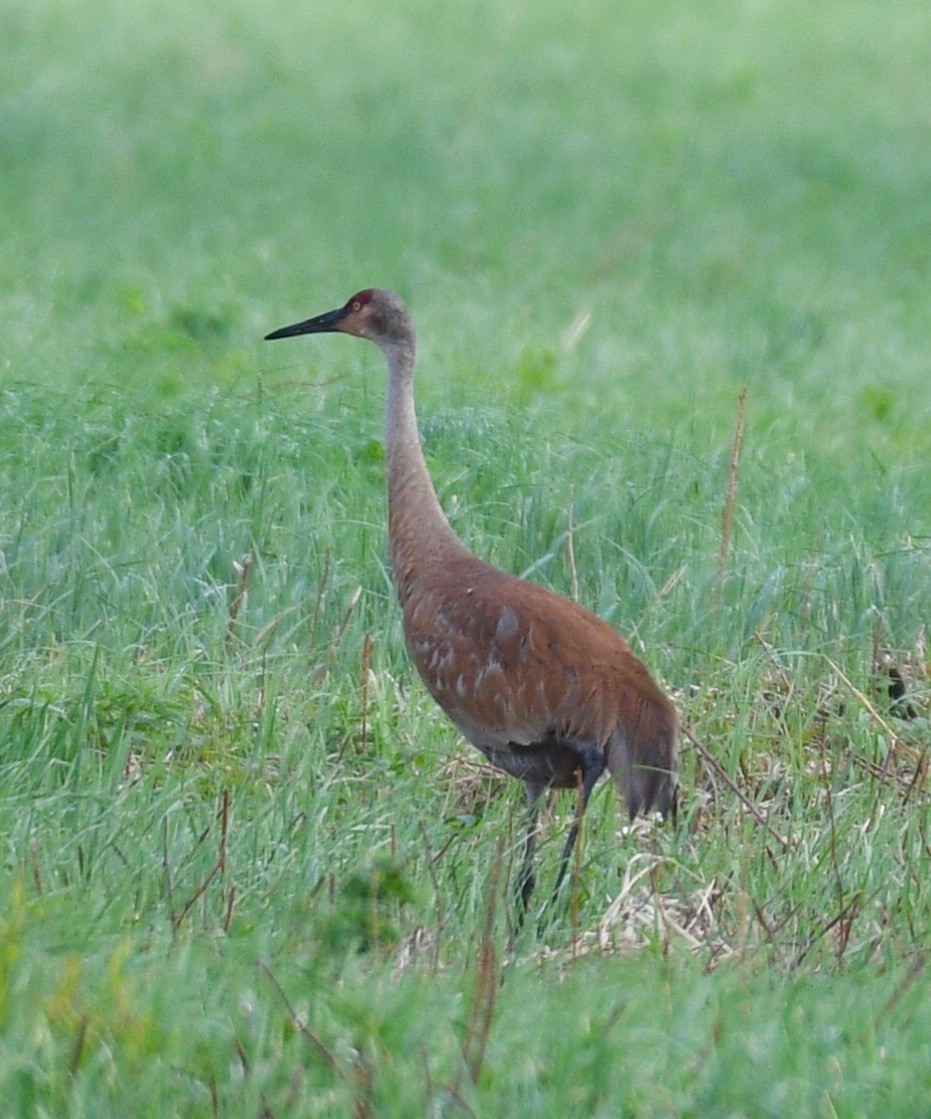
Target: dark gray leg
[(591, 764), (526, 879)]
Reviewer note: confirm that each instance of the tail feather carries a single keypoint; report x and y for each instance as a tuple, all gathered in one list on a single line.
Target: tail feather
[(644, 767)]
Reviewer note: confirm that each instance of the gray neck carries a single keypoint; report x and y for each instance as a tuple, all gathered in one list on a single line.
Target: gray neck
[(418, 529)]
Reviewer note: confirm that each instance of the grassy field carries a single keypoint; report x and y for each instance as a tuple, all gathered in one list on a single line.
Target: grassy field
[(248, 868)]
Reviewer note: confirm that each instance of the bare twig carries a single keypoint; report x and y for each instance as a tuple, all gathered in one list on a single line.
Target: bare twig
[(36, 870), (224, 830), (219, 867), (309, 1036), (166, 868), (727, 519), (178, 920), (318, 600), (712, 762), (917, 781), (339, 635), (570, 549), (843, 918), (455, 1096), (918, 965), (243, 569), (485, 991), (431, 870), (364, 1078), (77, 1050), (894, 740), (862, 698), (774, 661), (230, 904), (368, 643), (832, 845)]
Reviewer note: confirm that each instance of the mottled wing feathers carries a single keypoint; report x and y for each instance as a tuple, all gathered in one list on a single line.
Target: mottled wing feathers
[(515, 666)]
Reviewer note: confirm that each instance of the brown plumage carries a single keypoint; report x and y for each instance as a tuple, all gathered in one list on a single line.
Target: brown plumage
[(547, 690)]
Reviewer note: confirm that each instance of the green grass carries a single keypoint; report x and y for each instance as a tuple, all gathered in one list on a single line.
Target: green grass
[(248, 868)]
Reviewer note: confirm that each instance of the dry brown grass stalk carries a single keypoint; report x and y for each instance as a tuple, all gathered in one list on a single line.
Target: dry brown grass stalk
[(727, 520)]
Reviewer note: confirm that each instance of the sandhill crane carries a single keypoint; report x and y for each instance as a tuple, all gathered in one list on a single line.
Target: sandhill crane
[(547, 690)]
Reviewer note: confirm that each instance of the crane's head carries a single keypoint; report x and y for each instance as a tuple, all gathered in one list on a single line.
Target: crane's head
[(374, 313)]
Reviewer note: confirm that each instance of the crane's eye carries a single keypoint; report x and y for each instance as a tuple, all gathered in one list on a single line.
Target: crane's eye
[(359, 300)]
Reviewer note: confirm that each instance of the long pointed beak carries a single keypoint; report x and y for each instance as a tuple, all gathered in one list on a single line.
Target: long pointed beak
[(321, 324)]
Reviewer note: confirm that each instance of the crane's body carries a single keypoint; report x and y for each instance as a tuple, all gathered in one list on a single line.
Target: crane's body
[(547, 690)]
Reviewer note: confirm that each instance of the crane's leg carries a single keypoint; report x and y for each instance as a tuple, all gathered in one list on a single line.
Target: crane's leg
[(526, 879), (591, 767)]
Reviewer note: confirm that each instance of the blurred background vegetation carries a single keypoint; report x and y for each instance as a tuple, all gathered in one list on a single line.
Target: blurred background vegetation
[(248, 869)]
